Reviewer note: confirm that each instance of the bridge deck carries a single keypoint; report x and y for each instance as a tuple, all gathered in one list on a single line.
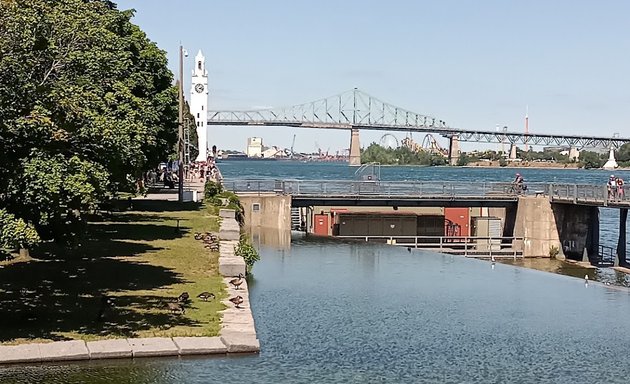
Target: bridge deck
[(415, 193)]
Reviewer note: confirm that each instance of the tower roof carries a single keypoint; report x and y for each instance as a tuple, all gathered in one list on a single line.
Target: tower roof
[(200, 54)]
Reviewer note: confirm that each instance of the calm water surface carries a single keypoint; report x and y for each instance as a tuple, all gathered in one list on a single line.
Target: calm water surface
[(334, 312)]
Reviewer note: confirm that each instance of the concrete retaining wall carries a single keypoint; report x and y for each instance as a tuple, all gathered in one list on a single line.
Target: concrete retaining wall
[(535, 222), (267, 210), (238, 332), (570, 228), (109, 349)]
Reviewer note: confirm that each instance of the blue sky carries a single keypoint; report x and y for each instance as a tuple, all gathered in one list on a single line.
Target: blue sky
[(474, 63)]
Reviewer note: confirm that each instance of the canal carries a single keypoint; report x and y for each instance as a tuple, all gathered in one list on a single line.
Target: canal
[(336, 312), (342, 312)]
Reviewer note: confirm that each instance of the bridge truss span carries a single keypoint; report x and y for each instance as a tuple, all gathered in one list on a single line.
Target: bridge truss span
[(351, 109), (356, 109), (541, 139)]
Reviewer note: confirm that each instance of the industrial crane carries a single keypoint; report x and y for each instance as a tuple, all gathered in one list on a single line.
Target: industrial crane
[(292, 145)]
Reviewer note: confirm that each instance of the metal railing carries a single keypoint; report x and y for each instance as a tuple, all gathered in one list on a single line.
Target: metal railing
[(588, 193), (469, 246), (606, 255), (324, 188), (575, 193)]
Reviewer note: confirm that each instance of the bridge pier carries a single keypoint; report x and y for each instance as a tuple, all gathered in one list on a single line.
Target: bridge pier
[(574, 154), (621, 243), (536, 223), (355, 149), (513, 151), (454, 150)]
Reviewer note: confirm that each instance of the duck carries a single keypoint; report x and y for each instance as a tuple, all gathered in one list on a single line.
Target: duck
[(205, 296), (238, 281), (176, 308), (106, 303), (238, 300), (183, 298)]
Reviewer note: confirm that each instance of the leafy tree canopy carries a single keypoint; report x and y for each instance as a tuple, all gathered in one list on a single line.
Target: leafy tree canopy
[(86, 105), (401, 155)]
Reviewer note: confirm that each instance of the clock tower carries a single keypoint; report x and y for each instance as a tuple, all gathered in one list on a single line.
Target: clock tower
[(199, 104)]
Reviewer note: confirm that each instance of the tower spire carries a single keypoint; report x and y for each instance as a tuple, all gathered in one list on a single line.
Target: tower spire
[(526, 126)]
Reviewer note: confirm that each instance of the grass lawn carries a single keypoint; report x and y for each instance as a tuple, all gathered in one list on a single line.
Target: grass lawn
[(138, 258)]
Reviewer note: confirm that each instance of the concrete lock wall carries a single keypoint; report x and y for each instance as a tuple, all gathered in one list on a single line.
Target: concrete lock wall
[(268, 211), (570, 228), (536, 223)]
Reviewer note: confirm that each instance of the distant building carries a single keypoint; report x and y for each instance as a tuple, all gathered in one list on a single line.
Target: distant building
[(254, 147), (270, 152)]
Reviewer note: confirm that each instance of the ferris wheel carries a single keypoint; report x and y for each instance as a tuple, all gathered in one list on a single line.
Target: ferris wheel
[(389, 141)]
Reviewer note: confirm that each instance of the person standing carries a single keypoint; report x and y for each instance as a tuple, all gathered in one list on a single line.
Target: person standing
[(612, 187), (619, 186)]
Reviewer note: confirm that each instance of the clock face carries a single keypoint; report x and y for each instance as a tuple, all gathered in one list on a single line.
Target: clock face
[(199, 88)]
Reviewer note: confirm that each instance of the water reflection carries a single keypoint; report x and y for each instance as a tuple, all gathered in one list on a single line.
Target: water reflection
[(270, 237), (601, 275)]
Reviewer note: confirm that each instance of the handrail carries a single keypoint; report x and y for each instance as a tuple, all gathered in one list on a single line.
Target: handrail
[(575, 193), (470, 245), (374, 187)]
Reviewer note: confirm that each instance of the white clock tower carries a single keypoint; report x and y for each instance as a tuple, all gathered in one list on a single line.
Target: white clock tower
[(199, 104)]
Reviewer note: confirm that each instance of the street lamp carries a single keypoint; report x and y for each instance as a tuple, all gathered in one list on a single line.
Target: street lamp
[(180, 121)]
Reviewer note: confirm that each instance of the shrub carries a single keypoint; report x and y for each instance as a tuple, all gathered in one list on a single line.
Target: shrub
[(16, 233), (554, 251), (247, 251), (212, 189)]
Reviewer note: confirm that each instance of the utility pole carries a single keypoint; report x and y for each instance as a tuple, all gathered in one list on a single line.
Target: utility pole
[(187, 144), (180, 135)]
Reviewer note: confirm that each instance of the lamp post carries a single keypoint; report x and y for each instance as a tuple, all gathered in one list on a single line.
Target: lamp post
[(180, 135)]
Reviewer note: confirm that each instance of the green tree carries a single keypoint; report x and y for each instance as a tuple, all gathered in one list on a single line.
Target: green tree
[(590, 159), (623, 154), (463, 160), (401, 155), (15, 233), (86, 105)]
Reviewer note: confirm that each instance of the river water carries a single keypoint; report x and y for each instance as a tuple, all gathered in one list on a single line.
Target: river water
[(328, 311)]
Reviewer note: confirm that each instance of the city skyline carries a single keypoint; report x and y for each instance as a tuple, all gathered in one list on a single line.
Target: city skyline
[(476, 66)]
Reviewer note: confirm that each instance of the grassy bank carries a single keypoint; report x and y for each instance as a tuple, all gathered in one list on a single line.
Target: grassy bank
[(141, 259)]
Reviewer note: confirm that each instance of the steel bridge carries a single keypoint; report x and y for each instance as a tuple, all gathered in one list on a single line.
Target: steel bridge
[(355, 109)]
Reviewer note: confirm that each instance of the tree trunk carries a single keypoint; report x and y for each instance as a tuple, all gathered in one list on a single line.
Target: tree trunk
[(24, 253)]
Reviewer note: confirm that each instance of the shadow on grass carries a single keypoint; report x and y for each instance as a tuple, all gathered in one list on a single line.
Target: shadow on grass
[(60, 291), (164, 206), (133, 231)]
